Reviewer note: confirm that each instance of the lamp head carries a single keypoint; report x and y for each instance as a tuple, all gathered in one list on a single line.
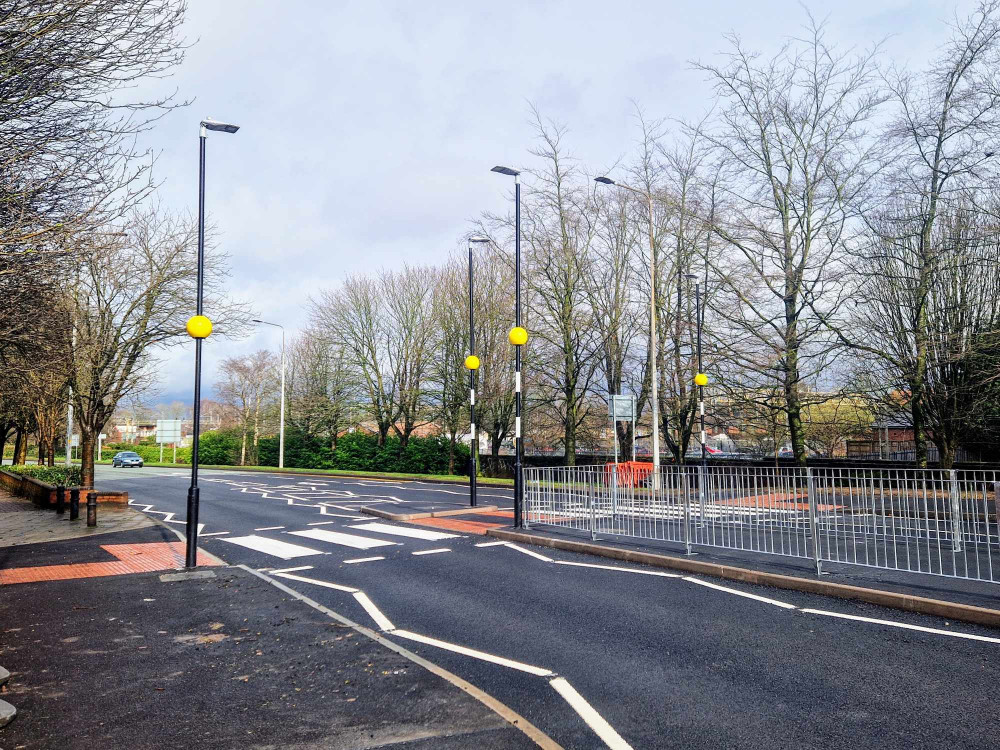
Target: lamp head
[(478, 238), (223, 127), (604, 180), (506, 170)]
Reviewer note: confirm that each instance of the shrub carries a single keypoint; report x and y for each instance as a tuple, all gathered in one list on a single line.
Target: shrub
[(68, 476)]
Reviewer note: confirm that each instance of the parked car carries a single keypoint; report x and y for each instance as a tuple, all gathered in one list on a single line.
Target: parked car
[(126, 459)]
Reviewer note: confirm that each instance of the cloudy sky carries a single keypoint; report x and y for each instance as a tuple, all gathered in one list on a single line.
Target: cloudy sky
[(368, 128)]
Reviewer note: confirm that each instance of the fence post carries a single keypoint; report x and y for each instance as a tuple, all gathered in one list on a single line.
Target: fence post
[(92, 508), (593, 515), (687, 509), (996, 510), (60, 500), (74, 504), (701, 495), (525, 496), (813, 527), (956, 512)]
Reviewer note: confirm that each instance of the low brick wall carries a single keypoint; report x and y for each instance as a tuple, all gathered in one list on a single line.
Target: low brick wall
[(44, 494)]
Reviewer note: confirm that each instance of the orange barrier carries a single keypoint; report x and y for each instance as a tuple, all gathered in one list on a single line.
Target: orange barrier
[(630, 473)]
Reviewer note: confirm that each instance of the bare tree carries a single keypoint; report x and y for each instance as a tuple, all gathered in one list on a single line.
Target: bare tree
[(248, 385)]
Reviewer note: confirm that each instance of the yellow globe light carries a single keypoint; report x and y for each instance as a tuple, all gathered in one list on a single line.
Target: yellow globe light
[(472, 362), (518, 336), (199, 327), (701, 379)]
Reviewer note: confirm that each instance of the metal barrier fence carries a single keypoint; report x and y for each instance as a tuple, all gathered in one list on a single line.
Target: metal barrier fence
[(918, 520)]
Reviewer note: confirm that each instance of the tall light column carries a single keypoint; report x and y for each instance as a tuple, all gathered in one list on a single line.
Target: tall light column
[(199, 327), (518, 337), (281, 423), (472, 364)]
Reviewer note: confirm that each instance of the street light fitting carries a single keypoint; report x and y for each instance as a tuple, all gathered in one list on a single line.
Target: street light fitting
[(223, 127), (478, 238), (605, 180), (506, 170)]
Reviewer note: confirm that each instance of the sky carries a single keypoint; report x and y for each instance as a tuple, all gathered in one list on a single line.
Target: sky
[(368, 129)]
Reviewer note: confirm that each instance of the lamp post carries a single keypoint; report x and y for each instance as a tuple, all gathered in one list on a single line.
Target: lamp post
[(472, 364), (700, 379), (654, 374), (518, 337), (281, 424), (198, 328)]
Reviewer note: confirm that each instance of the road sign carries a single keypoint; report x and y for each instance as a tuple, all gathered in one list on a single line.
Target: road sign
[(168, 431), (621, 407), (76, 441)]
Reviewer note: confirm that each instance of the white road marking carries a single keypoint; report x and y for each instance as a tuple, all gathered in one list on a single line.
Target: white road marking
[(315, 582), (284, 550), (290, 570), (431, 551), (320, 523), (216, 533), (490, 544), (717, 587), (376, 614), (384, 528), (529, 552), (594, 720), (363, 559), (269, 528), (936, 631), (347, 540), (620, 570), (537, 671)]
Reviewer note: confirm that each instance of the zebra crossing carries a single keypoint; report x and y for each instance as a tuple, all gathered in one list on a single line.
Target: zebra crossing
[(287, 550)]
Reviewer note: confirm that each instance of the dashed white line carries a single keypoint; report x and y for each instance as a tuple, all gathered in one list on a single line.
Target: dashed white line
[(537, 556), (217, 533), (376, 614), (717, 587), (431, 551), (490, 544), (890, 623), (537, 671), (620, 570), (315, 582), (269, 528), (289, 570), (320, 523), (594, 720), (363, 559)]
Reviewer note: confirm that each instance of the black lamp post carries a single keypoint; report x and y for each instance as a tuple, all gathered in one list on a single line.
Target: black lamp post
[(199, 327), (518, 337), (472, 364)]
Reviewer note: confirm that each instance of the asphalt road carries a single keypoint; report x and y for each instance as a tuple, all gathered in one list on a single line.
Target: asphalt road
[(599, 654)]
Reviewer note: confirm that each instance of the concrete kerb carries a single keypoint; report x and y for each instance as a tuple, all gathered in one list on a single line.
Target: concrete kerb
[(427, 514), (893, 600)]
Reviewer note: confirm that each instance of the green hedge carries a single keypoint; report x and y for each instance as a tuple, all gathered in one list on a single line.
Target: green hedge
[(68, 476), (148, 453)]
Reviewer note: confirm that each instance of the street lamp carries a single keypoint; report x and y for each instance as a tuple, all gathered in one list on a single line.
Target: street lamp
[(199, 327), (654, 374), (281, 428), (518, 337), (472, 364)]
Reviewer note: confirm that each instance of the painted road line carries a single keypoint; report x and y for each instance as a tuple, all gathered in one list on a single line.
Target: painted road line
[(537, 671), (528, 552), (363, 559), (269, 528), (384, 528), (381, 620), (216, 533), (936, 631), (290, 570), (594, 720), (316, 582), (320, 523), (431, 551), (284, 550), (490, 544), (346, 540), (620, 570), (717, 587)]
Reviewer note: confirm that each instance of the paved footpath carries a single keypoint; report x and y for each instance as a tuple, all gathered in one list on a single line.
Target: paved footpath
[(110, 646)]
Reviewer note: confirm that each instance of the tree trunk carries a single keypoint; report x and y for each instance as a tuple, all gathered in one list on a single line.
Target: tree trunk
[(87, 444), (243, 447), (451, 452)]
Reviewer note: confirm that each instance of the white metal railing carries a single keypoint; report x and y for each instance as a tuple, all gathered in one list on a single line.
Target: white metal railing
[(930, 521)]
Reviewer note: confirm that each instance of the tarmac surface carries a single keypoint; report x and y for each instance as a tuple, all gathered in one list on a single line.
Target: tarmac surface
[(596, 653)]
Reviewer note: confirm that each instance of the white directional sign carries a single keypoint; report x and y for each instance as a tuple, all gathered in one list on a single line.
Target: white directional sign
[(168, 431), (621, 407)]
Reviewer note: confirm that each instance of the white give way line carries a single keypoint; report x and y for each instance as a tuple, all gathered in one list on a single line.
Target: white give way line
[(561, 685)]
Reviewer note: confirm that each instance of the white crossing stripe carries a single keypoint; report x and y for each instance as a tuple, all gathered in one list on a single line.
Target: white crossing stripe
[(284, 550), (338, 537), (431, 551), (537, 671), (936, 631), (717, 587), (384, 528), (316, 582), (594, 720), (363, 559), (381, 620)]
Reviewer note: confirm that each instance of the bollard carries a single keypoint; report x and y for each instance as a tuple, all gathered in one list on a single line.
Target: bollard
[(74, 504), (60, 500), (92, 508)]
